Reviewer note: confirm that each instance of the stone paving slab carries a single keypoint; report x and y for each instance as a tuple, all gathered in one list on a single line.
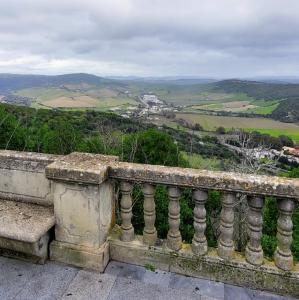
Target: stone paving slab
[(125, 288), (25, 281), (90, 285), (205, 287)]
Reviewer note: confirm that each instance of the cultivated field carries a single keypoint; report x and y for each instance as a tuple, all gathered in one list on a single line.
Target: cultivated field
[(244, 104), (99, 98), (263, 125), (69, 102), (233, 106)]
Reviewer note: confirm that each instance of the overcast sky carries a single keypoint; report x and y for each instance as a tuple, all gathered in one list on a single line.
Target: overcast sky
[(206, 38)]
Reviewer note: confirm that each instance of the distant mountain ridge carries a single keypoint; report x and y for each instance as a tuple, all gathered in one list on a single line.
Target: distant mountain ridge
[(257, 89), (11, 82)]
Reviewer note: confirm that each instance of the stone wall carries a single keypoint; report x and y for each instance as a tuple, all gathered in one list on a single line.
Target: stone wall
[(22, 177)]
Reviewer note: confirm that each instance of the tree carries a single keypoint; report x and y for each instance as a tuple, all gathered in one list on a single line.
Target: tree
[(12, 135), (286, 141), (152, 147), (220, 130), (61, 137)]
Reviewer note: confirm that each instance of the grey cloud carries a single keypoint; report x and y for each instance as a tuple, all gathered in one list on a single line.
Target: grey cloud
[(222, 38)]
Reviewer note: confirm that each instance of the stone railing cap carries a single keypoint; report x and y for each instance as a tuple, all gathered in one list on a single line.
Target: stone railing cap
[(208, 180), (31, 156), (81, 168)]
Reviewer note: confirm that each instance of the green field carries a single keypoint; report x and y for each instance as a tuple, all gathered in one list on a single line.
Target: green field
[(235, 103), (196, 161), (292, 133), (100, 99), (263, 125)]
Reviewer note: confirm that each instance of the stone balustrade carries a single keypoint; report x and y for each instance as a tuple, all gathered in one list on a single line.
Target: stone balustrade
[(81, 187), (255, 187), (224, 263)]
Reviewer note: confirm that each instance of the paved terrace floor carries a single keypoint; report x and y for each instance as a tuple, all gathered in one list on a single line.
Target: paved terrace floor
[(23, 280)]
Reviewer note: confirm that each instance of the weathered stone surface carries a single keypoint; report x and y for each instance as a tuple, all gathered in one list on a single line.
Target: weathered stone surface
[(22, 177), (205, 287), (199, 241), (202, 179), (24, 222), (174, 238), (89, 285), (283, 255), (136, 253), (130, 289), (237, 271), (21, 280), (225, 248), (24, 230), (80, 256), (47, 282), (81, 167), (149, 211), (83, 213), (36, 252), (126, 211), (254, 252), (27, 156)]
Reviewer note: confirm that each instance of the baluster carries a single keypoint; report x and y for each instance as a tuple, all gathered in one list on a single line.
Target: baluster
[(174, 238), (283, 256), (149, 232), (225, 241), (254, 252), (199, 242), (126, 211)]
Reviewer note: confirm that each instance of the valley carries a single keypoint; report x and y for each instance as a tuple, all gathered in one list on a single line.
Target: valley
[(233, 104)]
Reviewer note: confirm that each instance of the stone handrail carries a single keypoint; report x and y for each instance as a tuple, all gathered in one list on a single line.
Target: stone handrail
[(209, 180), (254, 186), (81, 188)]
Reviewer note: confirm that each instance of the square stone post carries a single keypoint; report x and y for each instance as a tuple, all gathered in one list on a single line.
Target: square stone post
[(84, 209)]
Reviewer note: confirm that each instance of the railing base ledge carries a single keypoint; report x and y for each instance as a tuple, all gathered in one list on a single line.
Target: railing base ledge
[(80, 256), (238, 271)]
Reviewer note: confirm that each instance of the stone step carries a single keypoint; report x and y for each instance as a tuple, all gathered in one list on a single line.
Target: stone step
[(24, 229)]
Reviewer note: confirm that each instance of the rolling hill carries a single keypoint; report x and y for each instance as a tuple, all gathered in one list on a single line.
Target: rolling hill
[(13, 82), (273, 99)]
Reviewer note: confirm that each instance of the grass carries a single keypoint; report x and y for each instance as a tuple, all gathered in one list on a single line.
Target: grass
[(196, 161), (237, 103), (264, 125), (182, 97), (293, 134), (59, 97), (264, 107), (150, 267)]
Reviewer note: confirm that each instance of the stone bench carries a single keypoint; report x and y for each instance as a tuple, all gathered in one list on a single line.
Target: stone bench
[(26, 205), (25, 229)]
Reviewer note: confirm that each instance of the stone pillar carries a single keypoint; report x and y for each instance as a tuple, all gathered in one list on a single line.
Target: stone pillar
[(254, 252), (127, 234), (83, 208), (225, 241), (149, 232), (199, 242), (174, 238), (283, 256)]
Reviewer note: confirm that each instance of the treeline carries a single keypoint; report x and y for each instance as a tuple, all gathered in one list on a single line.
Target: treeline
[(256, 139), (288, 110), (258, 90), (62, 132)]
